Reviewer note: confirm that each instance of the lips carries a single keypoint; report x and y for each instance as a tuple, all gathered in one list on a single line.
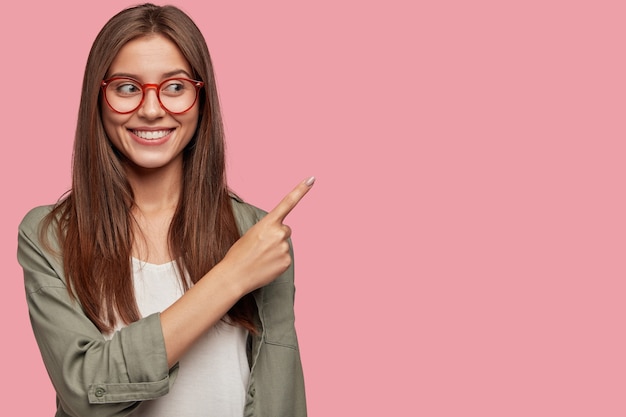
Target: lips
[(152, 134)]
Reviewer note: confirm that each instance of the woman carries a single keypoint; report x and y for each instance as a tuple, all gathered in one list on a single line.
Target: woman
[(151, 289)]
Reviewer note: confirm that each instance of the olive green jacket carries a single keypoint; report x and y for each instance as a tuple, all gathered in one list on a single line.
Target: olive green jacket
[(94, 377)]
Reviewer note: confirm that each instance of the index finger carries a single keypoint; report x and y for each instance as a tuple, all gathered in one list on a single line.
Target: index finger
[(290, 200)]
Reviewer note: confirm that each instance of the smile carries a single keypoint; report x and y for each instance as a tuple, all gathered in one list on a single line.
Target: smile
[(152, 134)]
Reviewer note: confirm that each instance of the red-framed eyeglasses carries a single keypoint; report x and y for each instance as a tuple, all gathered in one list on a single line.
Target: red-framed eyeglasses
[(125, 95)]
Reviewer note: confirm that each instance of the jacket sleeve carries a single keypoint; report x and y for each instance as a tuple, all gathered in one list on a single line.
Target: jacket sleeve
[(276, 376), (92, 376)]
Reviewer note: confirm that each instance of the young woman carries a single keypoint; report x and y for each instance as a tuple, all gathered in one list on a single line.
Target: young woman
[(152, 290)]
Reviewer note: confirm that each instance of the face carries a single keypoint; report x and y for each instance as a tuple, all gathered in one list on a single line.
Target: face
[(150, 137)]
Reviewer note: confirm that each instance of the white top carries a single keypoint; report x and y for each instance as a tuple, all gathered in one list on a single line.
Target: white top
[(213, 375)]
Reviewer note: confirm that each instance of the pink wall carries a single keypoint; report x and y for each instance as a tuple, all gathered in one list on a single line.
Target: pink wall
[(463, 250)]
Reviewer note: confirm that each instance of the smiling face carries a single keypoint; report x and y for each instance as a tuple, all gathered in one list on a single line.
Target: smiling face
[(150, 137)]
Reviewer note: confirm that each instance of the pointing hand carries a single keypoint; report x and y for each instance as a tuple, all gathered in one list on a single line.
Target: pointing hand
[(262, 253)]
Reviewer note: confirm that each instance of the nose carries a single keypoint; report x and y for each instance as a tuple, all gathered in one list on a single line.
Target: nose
[(151, 107)]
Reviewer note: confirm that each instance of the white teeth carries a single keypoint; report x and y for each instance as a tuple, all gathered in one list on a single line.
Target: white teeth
[(152, 134)]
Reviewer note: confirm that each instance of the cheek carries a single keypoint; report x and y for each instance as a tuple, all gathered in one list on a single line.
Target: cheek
[(107, 124), (111, 122), (190, 122)]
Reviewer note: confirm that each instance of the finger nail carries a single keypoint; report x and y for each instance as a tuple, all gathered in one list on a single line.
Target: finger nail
[(310, 181)]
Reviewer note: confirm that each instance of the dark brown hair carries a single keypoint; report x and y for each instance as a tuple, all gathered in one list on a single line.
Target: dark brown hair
[(94, 221)]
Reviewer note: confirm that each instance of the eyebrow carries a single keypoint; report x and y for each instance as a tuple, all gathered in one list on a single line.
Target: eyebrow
[(165, 75)]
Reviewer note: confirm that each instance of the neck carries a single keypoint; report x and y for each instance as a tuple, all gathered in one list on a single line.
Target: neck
[(156, 192), (156, 189)]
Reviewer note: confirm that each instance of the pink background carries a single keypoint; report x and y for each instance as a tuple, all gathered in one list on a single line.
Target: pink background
[(463, 251)]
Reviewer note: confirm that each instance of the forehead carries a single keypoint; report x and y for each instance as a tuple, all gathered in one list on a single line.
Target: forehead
[(149, 57)]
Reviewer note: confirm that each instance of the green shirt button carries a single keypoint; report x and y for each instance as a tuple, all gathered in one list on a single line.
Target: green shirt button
[(100, 392)]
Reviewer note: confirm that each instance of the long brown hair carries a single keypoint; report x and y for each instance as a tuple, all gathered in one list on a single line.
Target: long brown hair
[(94, 221)]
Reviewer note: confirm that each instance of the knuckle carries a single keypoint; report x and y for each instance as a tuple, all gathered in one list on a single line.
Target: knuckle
[(284, 248), (285, 262), (291, 199)]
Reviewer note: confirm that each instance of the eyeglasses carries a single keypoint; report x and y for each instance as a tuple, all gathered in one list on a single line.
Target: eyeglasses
[(125, 95)]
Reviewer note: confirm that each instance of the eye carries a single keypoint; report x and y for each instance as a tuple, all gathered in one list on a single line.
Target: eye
[(175, 87), (126, 87)]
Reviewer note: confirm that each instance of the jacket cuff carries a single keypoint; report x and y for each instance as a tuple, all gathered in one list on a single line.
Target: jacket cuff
[(148, 374), (138, 391)]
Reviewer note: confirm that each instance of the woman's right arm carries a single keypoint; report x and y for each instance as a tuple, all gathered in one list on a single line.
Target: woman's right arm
[(92, 376)]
